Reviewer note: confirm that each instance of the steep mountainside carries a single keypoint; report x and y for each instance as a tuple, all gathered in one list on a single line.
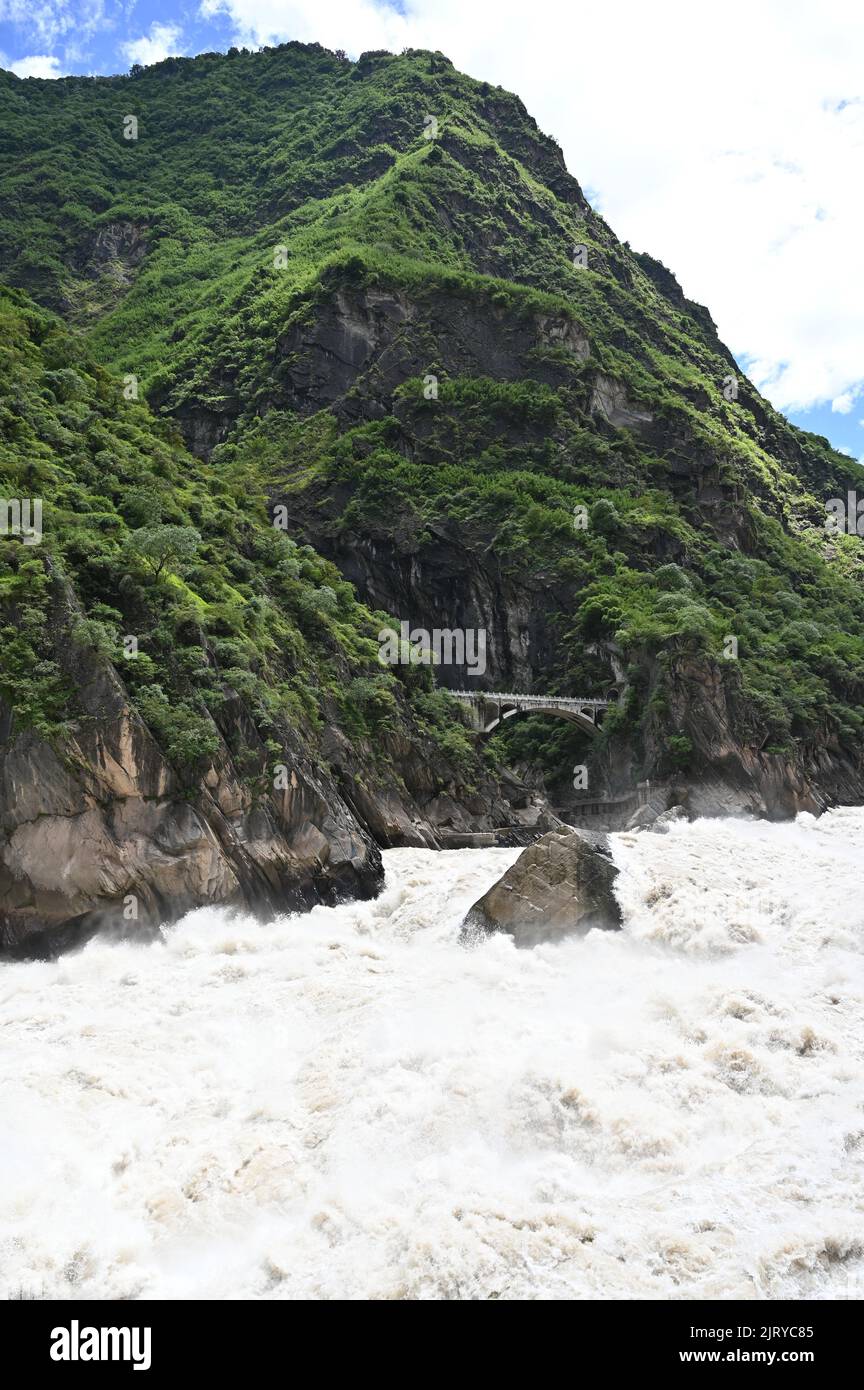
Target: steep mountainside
[(191, 704), (376, 306)]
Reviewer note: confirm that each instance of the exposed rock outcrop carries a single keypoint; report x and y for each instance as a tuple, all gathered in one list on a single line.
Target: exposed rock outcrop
[(99, 834), (664, 822), (730, 772), (609, 399), (561, 884)]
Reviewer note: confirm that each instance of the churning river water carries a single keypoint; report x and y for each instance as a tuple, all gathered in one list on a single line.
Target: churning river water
[(351, 1104)]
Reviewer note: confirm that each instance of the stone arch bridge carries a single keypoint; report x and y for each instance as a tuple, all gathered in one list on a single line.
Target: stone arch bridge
[(488, 709)]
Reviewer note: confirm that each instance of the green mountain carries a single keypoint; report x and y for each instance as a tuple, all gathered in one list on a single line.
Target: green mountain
[(367, 302)]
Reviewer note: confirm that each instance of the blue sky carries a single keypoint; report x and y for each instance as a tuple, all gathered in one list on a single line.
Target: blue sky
[(845, 432), (728, 142), (104, 36)]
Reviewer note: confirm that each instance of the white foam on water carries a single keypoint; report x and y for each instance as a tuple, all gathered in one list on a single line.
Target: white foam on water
[(349, 1103)]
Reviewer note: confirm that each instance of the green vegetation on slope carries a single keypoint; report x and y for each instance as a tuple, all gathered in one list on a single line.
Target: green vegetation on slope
[(261, 190), (160, 549)]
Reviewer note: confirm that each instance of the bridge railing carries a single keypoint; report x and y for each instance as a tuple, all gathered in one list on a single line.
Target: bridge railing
[(562, 701)]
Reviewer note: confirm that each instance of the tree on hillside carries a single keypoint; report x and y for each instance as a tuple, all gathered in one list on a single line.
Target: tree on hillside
[(161, 546)]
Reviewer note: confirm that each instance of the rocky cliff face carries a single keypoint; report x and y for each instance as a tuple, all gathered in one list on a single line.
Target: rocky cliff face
[(447, 575), (730, 772), (352, 358), (100, 833)]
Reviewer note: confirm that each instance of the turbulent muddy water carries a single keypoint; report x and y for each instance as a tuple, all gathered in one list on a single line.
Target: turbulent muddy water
[(351, 1104)]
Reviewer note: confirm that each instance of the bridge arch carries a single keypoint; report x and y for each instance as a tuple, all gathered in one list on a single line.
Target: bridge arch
[(583, 721)]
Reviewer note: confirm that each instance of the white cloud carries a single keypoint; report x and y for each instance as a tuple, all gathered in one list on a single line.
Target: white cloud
[(38, 65), (729, 142), (841, 405), (162, 41), (49, 20), (354, 25)]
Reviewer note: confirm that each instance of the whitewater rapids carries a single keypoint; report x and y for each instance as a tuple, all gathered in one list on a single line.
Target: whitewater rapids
[(349, 1104)]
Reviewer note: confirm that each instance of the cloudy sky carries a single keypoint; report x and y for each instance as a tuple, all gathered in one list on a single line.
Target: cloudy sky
[(728, 139)]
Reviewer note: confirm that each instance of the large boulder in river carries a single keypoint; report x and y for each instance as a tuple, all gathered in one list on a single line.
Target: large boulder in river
[(563, 883)]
